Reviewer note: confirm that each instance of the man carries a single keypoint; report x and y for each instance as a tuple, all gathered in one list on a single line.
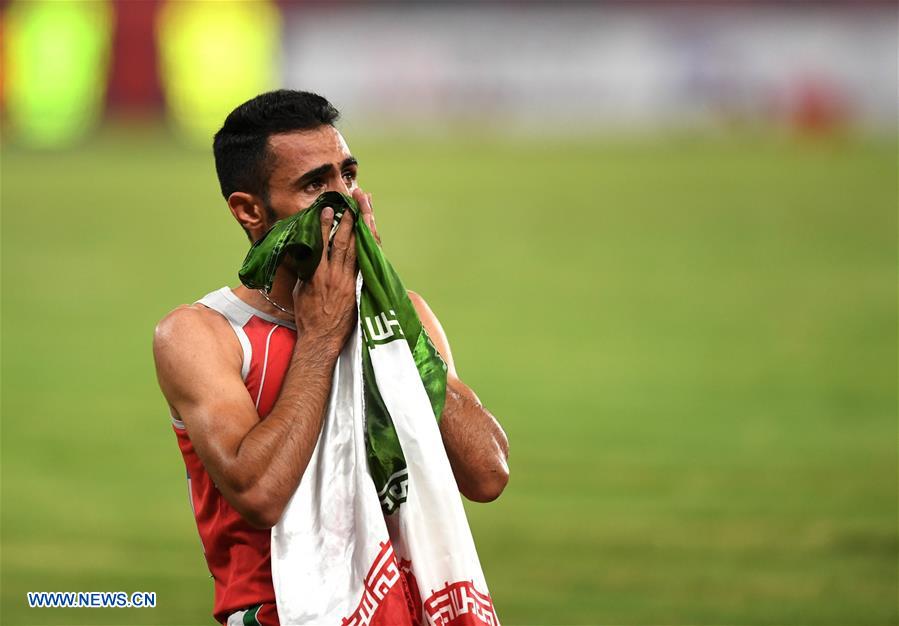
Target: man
[(247, 375)]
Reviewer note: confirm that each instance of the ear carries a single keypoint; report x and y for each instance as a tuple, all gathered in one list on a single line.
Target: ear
[(248, 210)]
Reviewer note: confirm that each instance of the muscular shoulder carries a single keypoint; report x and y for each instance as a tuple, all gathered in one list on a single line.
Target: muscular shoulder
[(425, 314), (189, 323), (434, 329), (418, 302), (193, 331)]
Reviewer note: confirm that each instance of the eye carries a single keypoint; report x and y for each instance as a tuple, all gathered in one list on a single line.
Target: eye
[(349, 176), (313, 186)]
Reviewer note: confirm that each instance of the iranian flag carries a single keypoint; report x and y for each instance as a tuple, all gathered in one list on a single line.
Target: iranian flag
[(375, 533)]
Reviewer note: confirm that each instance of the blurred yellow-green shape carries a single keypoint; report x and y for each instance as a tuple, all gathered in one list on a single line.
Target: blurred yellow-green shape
[(56, 62), (215, 55)]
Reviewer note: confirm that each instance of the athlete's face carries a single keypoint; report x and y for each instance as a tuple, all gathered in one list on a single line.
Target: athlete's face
[(305, 165)]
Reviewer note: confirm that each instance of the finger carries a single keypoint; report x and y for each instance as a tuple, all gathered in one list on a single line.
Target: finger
[(350, 260), (372, 226), (327, 217), (342, 238), (364, 201), (297, 290), (374, 230), (361, 199), (368, 213)]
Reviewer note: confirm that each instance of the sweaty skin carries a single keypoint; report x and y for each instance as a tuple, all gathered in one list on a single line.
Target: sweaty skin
[(257, 464)]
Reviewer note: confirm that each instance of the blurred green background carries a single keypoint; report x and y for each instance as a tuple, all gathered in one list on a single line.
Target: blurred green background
[(691, 343), (662, 239)]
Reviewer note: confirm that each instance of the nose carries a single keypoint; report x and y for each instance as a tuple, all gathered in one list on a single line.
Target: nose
[(341, 186)]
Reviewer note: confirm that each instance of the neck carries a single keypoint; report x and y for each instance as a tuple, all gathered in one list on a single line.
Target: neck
[(282, 293), (282, 287)]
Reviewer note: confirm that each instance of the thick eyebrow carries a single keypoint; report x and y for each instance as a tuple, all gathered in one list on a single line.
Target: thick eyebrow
[(312, 174), (321, 170)]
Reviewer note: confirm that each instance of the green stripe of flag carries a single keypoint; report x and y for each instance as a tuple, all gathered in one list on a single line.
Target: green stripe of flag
[(249, 618)]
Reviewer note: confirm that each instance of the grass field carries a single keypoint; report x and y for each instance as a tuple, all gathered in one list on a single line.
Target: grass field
[(691, 344)]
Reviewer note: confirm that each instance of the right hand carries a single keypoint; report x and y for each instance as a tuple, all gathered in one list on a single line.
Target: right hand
[(325, 305)]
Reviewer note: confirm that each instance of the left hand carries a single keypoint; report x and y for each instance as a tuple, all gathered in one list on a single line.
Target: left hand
[(368, 216)]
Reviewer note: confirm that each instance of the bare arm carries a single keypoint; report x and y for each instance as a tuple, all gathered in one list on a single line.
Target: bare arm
[(257, 464), (476, 445)]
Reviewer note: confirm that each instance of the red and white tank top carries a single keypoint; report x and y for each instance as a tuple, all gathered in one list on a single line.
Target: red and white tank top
[(238, 555)]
